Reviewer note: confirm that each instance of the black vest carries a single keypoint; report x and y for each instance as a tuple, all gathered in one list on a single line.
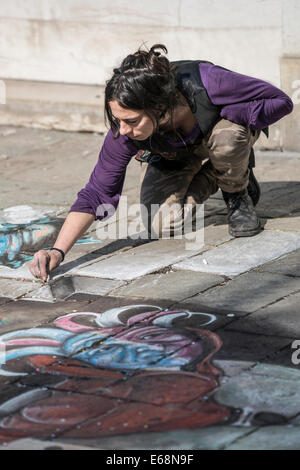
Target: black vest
[(189, 83)]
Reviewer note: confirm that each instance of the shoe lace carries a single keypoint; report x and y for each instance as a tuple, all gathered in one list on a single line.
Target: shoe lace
[(237, 202)]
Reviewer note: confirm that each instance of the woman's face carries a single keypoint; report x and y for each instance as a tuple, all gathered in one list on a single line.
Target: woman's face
[(140, 347), (136, 124)]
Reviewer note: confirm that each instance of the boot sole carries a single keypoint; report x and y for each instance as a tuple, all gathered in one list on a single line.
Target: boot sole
[(249, 233)]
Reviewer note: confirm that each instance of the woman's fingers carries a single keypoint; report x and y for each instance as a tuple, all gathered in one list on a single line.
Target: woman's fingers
[(43, 262), (34, 266), (39, 266), (44, 266)]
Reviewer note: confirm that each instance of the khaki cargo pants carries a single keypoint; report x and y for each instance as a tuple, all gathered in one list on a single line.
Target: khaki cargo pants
[(220, 161)]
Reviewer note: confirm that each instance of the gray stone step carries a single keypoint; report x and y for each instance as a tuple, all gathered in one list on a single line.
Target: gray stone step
[(242, 254), (176, 285), (139, 261), (248, 292)]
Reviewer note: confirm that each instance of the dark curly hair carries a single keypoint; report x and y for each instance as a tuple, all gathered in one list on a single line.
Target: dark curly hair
[(144, 81)]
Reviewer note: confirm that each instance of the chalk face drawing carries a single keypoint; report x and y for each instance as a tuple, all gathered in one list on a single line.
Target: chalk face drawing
[(24, 231), (19, 242), (127, 370)]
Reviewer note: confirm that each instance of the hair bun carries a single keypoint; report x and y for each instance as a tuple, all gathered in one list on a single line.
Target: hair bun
[(145, 81), (151, 60)]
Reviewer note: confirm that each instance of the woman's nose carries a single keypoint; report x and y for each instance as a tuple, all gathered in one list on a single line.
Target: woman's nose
[(124, 128)]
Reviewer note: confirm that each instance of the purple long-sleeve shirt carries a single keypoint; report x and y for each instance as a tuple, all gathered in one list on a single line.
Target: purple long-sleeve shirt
[(244, 100)]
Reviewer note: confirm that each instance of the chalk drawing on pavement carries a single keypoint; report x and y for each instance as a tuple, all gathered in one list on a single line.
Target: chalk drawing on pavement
[(24, 230), (127, 370)]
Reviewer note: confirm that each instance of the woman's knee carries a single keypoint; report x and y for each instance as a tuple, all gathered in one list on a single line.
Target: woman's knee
[(228, 140)]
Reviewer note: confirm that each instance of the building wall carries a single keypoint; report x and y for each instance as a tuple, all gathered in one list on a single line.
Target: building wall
[(80, 41)]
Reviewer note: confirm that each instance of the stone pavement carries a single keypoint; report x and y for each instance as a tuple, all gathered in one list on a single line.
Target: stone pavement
[(138, 344)]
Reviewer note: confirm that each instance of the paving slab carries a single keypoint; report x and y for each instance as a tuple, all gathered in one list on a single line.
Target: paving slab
[(287, 264), (270, 438), (36, 444), (247, 292), (13, 289), (242, 254), (94, 286), (274, 167), (262, 389), (176, 285), (21, 273), (245, 348), (18, 141), (68, 286), (24, 213), (139, 261), (216, 231), (82, 256), (230, 368), (284, 224), (280, 201), (211, 438), (43, 294), (278, 319), (39, 149), (51, 193), (23, 313), (33, 157), (4, 300), (296, 420), (284, 356)]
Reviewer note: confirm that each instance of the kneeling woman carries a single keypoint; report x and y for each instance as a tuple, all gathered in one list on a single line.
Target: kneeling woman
[(192, 125)]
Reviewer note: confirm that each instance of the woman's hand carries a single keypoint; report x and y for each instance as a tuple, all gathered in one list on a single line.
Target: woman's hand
[(43, 262)]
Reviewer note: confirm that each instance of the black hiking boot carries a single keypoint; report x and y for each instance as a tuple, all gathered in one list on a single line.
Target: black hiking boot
[(253, 186), (242, 218)]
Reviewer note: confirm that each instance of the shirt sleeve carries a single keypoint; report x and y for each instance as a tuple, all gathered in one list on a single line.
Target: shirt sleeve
[(244, 100), (107, 179)]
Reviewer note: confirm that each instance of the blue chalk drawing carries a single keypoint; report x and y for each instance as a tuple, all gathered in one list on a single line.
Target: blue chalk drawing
[(19, 242)]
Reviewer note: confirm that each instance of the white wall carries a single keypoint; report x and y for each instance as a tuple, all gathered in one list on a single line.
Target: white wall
[(80, 41)]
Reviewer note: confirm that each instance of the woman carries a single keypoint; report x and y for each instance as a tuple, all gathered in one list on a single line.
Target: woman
[(192, 125)]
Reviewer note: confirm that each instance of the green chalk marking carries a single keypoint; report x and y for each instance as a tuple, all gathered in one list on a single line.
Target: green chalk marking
[(88, 240)]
